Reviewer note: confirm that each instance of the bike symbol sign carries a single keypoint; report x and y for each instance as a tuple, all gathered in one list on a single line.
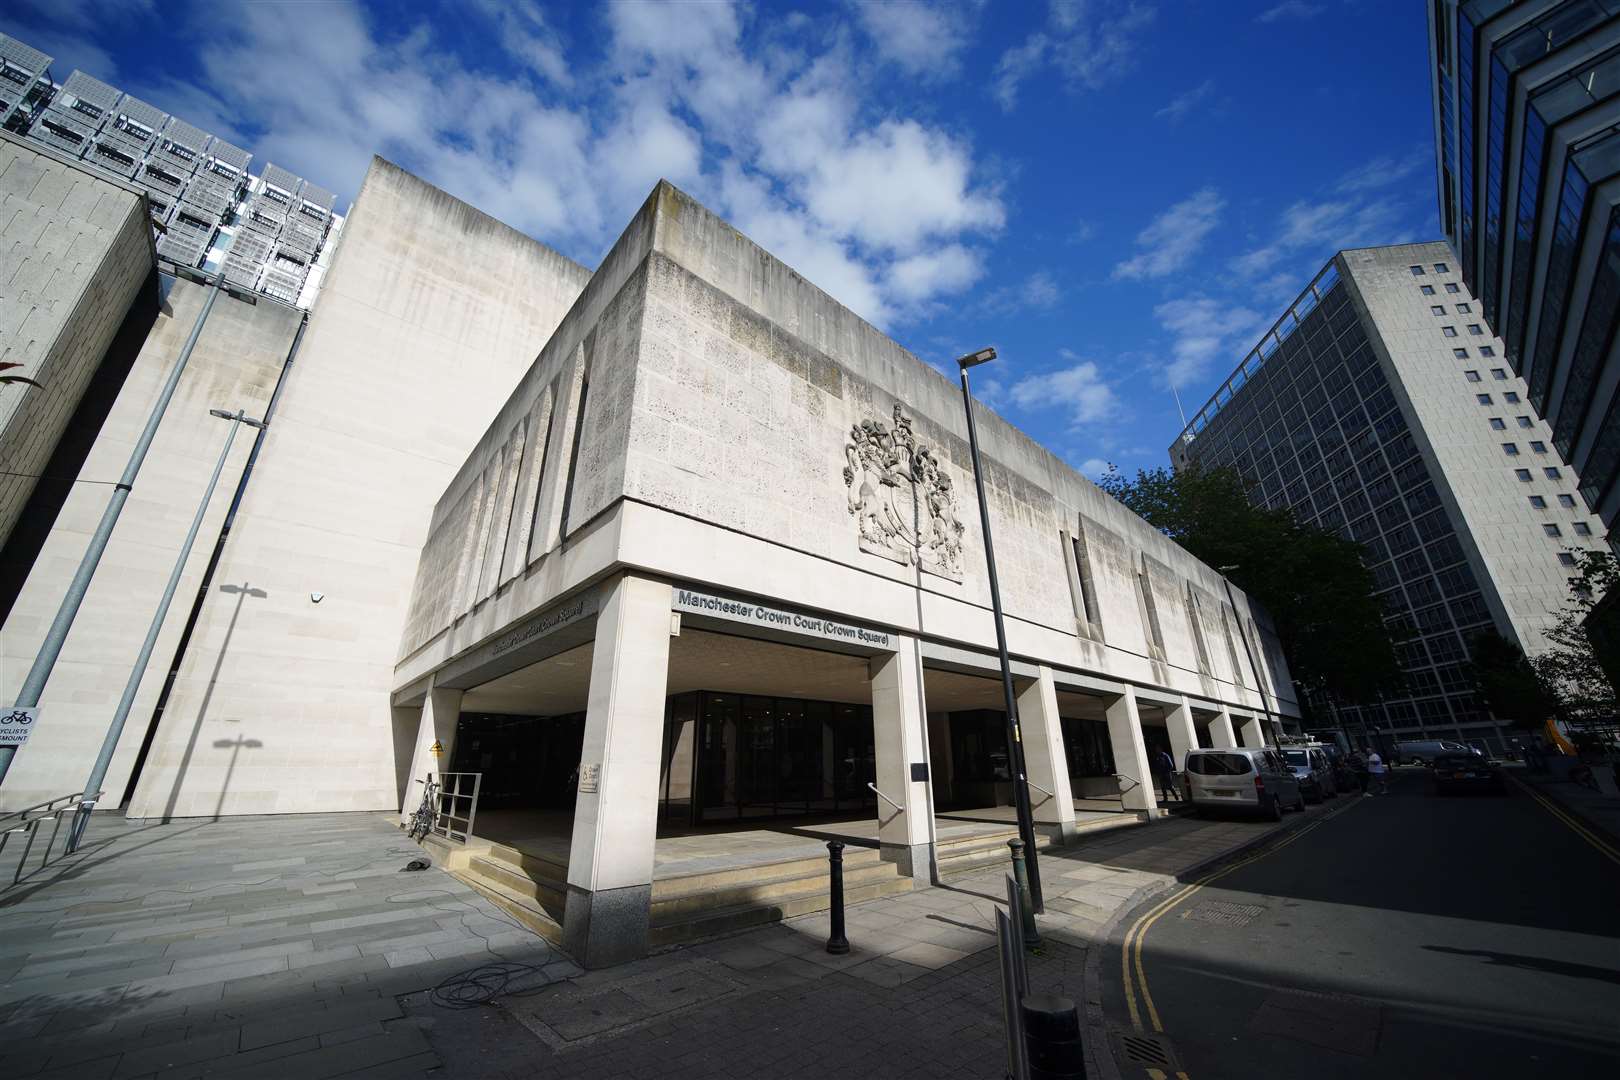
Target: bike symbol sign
[(16, 724)]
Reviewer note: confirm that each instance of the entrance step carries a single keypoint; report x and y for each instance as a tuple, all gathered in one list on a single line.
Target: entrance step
[(970, 854), (530, 890), (704, 905)]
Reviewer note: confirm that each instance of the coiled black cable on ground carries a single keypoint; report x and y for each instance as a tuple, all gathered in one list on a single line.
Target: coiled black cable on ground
[(483, 984)]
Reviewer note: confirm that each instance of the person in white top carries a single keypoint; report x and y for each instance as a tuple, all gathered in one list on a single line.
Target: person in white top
[(1379, 774)]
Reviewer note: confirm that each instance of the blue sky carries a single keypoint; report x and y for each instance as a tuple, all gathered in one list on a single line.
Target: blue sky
[(1121, 195)]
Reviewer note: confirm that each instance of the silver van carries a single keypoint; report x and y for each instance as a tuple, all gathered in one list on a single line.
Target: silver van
[(1423, 751), (1241, 780)]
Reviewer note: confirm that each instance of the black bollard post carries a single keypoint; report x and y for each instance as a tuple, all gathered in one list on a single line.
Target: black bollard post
[(1052, 1038), (1032, 936), (837, 943)]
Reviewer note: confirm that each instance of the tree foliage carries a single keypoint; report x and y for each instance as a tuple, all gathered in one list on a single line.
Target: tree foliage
[(1570, 667), (1312, 582), (1508, 681)]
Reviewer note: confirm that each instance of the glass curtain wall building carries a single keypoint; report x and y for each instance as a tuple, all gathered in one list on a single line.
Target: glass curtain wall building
[(1526, 101), (1380, 406)]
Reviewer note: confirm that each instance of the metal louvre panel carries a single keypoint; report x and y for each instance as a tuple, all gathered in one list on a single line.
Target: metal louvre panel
[(227, 154), (128, 138), (256, 219), (315, 195), (209, 202), (276, 176), (53, 128), (183, 249), (147, 116), (243, 272), (91, 91), (251, 247), (282, 285), (23, 56), (113, 156), (301, 237), (159, 205), (156, 175), (182, 134), (226, 187)]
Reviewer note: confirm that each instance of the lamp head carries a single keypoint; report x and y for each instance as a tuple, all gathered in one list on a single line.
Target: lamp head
[(1228, 569), (974, 359)]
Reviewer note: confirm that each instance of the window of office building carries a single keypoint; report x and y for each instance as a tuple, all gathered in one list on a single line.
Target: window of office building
[(1552, 473), (1471, 376), (1523, 421), (1498, 424), (1440, 268), (1428, 290), (1582, 529), (1486, 350), (1483, 399), (1464, 309), (1551, 529), (1566, 501), (1510, 449), (1538, 447), (1474, 328), (1538, 502), (1460, 354), (1449, 331), (1523, 475), (1452, 287), (1499, 374), (1417, 271), (1566, 558), (1511, 397), (1437, 309)]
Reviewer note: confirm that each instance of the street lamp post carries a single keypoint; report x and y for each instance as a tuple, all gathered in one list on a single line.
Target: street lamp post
[(1259, 676), (51, 648), (98, 772), (1015, 745)]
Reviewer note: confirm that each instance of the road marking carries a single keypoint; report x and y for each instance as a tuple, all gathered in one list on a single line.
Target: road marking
[(1575, 825), (1131, 954)]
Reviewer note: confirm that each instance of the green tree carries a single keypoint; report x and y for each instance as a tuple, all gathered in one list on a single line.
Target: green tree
[(1570, 666), (1312, 582), (1508, 681)]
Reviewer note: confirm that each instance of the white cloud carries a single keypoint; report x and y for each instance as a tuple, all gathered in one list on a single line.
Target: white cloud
[(1089, 43), (1202, 331), (775, 131), (1038, 292), (922, 39), (1094, 467), (1312, 231), (1079, 388), (1290, 9), (1182, 104), (1385, 171), (1174, 237)]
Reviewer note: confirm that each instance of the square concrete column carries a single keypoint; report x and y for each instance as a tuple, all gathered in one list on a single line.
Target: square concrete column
[(440, 712), (1253, 732), (899, 734), (1130, 754), (610, 862), (1047, 765), (1183, 736), (1220, 730)]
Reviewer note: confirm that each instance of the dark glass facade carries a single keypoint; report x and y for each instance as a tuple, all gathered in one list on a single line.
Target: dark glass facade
[(1316, 428), (1527, 99)]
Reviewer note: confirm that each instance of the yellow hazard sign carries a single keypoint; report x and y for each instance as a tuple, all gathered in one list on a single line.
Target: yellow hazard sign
[(437, 748)]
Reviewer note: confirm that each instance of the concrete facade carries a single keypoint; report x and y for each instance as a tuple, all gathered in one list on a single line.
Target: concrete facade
[(430, 313), (1381, 406), (235, 365), (706, 442), (74, 251)]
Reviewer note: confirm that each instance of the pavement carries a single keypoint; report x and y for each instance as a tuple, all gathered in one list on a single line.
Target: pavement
[(1408, 935), (1592, 808), (298, 946)]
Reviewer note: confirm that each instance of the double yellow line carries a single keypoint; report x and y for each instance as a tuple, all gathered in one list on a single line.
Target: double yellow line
[(1605, 848), (1131, 955)]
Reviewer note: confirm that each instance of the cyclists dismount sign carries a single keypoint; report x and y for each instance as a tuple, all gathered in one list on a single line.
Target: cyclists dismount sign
[(16, 724)]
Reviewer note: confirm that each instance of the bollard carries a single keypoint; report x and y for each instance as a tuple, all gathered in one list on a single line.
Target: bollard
[(837, 944), (1032, 936), (1052, 1038)]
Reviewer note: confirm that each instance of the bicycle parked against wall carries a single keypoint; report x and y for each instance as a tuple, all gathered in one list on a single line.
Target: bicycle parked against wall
[(428, 812)]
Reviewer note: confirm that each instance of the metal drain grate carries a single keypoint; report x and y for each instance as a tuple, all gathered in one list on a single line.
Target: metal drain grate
[(1151, 1052), (1221, 914)]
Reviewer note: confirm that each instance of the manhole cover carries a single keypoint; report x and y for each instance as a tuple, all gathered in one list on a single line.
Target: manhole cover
[(1223, 914)]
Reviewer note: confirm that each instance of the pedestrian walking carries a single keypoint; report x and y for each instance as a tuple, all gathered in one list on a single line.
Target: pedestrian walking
[(1358, 769), (1378, 772), (1164, 771)]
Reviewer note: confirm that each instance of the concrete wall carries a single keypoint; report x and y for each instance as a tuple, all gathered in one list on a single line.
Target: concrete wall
[(733, 419), (429, 316), (235, 365), (74, 250), (1512, 557)]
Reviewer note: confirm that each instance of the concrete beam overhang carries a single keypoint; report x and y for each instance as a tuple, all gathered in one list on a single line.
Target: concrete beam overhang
[(941, 657)]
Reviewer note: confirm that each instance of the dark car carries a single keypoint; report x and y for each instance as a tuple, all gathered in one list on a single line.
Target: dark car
[(1466, 772)]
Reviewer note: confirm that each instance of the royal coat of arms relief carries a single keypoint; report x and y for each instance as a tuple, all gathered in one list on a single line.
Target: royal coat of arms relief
[(902, 499)]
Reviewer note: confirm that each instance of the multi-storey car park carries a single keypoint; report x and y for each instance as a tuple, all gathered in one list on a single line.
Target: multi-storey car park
[(1526, 100), (1381, 406)]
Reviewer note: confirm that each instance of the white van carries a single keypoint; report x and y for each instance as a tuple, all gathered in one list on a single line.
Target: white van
[(1423, 751), (1241, 780)]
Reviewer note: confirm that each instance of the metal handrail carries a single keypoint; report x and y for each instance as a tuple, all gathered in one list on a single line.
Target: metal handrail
[(1037, 787), (458, 804), (885, 798), (28, 819), (1126, 776)]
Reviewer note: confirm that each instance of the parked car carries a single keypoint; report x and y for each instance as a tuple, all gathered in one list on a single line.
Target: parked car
[(1466, 772), (1423, 751), (1344, 777), (1312, 769), (1241, 780)]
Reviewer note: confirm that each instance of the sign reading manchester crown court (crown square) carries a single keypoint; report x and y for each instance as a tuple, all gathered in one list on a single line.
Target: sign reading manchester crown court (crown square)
[(781, 619)]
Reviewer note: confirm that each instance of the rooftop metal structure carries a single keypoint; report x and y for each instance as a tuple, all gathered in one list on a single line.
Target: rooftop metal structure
[(198, 186)]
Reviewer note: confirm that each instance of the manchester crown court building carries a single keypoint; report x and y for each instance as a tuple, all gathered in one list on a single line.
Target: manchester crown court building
[(675, 562)]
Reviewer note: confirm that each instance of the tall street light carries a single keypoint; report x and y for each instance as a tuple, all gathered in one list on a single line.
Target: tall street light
[(1259, 677), (98, 772), (1015, 744)]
